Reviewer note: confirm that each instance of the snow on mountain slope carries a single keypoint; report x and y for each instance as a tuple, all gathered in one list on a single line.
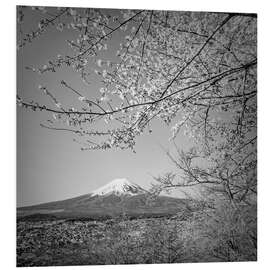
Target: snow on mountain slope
[(119, 187)]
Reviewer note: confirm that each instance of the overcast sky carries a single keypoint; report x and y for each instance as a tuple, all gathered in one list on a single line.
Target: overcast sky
[(50, 166)]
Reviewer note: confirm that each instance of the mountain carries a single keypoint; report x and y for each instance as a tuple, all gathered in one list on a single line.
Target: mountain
[(118, 197), (119, 187)]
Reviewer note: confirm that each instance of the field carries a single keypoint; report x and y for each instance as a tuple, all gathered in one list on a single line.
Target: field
[(86, 242), (186, 237)]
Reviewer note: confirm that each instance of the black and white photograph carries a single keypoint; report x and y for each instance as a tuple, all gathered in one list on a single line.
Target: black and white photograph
[(136, 135)]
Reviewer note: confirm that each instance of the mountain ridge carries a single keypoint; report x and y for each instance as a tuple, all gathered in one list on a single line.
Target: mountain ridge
[(117, 197)]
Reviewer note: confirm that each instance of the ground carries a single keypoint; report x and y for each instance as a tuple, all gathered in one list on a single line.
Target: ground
[(181, 238)]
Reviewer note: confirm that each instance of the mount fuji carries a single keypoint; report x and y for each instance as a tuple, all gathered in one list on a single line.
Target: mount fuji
[(119, 187), (118, 197)]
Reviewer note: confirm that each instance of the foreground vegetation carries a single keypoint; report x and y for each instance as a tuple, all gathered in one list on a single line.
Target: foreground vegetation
[(213, 234)]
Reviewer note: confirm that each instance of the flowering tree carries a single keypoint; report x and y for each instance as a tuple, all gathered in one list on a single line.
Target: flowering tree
[(195, 71)]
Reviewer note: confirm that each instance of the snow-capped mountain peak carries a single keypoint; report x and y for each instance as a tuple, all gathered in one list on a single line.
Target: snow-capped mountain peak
[(120, 186)]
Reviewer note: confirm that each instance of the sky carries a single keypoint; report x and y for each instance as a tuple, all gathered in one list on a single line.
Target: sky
[(50, 166)]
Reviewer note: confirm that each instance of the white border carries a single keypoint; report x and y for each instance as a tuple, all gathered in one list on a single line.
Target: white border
[(8, 116)]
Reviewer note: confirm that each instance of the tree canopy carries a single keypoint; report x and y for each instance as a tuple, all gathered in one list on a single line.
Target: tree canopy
[(195, 71)]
